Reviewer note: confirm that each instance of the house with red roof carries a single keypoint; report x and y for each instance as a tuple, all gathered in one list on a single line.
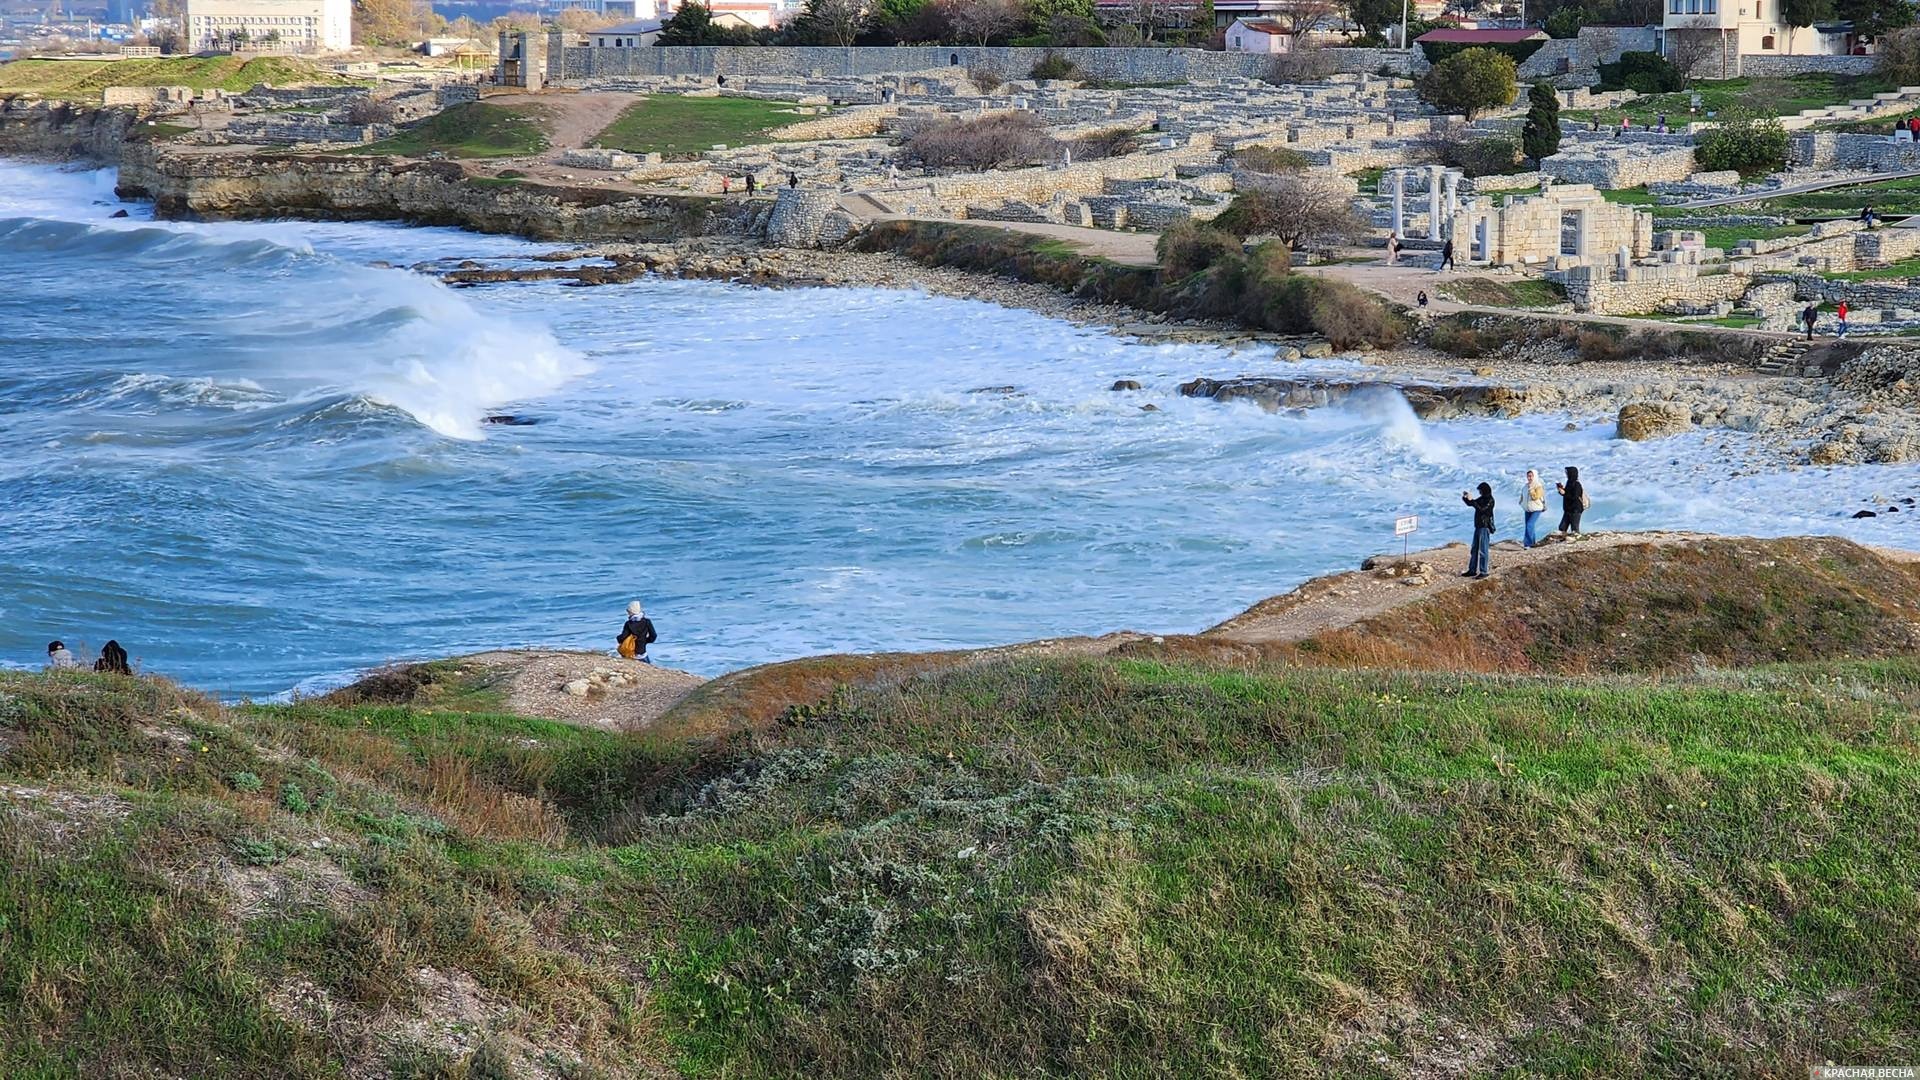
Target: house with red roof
[(1258, 36)]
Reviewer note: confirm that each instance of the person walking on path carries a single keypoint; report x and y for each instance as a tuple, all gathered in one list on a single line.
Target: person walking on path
[(1840, 329), (1393, 250), (1573, 501), (1477, 564), (1446, 255), (1534, 506), (1810, 315), (793, 179), (636, 634), (726, 185), (59, 658), (751, 184)]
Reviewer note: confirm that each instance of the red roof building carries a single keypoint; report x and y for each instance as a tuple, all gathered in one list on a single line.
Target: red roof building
[(1450, 35)]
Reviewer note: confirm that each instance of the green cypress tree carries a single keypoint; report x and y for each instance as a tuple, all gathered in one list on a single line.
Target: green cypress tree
[(1541, 135)]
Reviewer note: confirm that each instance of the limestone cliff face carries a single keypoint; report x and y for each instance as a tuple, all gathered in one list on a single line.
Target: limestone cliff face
[(216, 183), (59, 131), (203, 184)]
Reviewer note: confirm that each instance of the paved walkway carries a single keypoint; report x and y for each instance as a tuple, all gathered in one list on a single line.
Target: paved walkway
[(1797, 189)]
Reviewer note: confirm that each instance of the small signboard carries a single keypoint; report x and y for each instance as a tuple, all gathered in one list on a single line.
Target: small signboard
[(1403, 526)]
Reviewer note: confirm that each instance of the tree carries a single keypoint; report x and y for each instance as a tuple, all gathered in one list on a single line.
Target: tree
[(1540, 136), (692, 24), (980, 21), (1875, 18), (1301, 16), (1374, 16), (829, 22), (1470, 82), (580, 20), (385, 22), (1303, 210), (897, 20), (1899, 57), (1565, 23), (1803, 13)]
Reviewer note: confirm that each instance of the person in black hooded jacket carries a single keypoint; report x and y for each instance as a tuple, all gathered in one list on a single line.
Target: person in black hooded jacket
[(1573, 501), (1477, 559)]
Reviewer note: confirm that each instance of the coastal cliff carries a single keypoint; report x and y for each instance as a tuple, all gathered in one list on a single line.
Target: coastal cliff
[(1229, 854), (238, 183)]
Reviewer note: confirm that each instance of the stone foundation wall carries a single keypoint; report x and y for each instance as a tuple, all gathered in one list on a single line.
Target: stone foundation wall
[(566, 62), (1620, 170), (295, 132), (1780, 67), (1664, 289)]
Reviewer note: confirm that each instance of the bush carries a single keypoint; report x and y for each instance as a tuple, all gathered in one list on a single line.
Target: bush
[(1495, 155), (1269, 159), (1301, 209), (985, 79), (1303, 65), (1644, 72), (990, 142), (1349, 317), (1470, 82), (1189, 247), (1898, 58), (1113, 142), (1054, 66), (1749, 145)]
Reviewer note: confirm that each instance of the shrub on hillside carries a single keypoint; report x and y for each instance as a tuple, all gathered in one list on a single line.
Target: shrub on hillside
[(1113, 142), (1054, 66), (1897, 58), (1645, 72), (1749, 145), (985, 79), (1269, 159), (1188, 247), (1540, 135), (1470, 82), (989, 142), (1493, 155), (1301, 66)]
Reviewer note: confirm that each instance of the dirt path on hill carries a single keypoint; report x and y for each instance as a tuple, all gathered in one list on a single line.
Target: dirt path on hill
[(619, 695), (570, 121), (1341, 600)]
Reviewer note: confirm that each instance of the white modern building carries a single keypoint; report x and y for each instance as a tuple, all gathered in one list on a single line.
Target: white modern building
[(1258, 35), (1725, 30), (295, 25)]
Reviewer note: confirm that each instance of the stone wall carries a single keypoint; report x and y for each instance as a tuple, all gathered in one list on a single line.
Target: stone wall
[(1780, 67), (456, 94), (1576, 61), (568, 62), (1674, 289), (1627, 167), (799, 216), (1841, 150), (311, 129)]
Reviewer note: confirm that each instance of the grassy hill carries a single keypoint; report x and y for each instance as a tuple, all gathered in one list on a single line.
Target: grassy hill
[(83, 80), (1135, 865)]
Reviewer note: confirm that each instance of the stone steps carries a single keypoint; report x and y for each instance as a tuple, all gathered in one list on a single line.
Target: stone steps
[(1784, 358)]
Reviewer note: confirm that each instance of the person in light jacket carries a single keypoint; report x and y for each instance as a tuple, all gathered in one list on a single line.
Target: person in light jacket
[(1535, 504), (60, 658)]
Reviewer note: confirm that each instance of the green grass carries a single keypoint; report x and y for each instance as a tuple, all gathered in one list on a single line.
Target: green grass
[(1031, 867), (469, 130), (83, 80), (1905, 268), (1781, 97), (680, 126), (1727, 237), (1524, 293)]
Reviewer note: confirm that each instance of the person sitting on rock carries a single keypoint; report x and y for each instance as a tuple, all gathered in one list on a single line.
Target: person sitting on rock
[(636, 634), (1478, 555), (59, 658), (113, 660)]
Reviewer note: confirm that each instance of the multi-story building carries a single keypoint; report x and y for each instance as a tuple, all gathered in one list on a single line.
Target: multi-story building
[(1711, 36), (296, 25)]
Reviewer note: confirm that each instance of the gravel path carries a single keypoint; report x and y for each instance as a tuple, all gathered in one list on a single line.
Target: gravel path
[(620, 695)]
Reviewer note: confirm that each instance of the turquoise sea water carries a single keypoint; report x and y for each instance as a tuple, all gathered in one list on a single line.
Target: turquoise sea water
[(257, 461)]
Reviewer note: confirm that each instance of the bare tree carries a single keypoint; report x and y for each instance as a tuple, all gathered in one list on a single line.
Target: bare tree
[(830, 22), (983, 20), (1147, 18), (1302, 209), (1692, 46), (1302, 16)]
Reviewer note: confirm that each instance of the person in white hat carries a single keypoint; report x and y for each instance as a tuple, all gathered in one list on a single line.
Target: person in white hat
[(637, 634)]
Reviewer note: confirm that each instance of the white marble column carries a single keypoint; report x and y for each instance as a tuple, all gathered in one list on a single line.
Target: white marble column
[(1398, 182), (1453, 192), (1433, 202)]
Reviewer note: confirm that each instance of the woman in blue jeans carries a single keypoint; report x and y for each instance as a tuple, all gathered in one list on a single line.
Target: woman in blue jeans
[(1535, 505), (1477, 565)]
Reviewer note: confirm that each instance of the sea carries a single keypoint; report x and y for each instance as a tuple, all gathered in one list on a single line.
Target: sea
[(256, 455)]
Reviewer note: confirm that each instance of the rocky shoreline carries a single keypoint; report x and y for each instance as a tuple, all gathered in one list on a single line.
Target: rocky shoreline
[(1868, 412)]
